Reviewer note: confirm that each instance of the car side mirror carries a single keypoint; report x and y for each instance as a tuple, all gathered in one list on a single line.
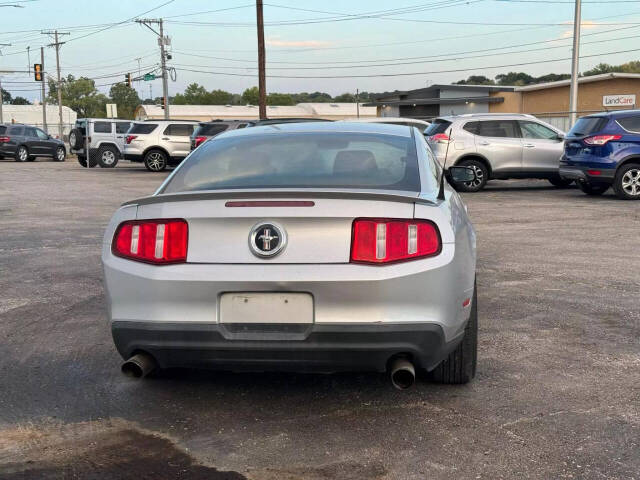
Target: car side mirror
[(461, 174), (560, 136)]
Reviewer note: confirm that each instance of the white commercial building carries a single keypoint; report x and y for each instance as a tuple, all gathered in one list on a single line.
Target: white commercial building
[(328, 111), (32, 115)]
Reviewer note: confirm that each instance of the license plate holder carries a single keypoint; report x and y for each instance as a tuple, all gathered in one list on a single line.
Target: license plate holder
[(266, 308)]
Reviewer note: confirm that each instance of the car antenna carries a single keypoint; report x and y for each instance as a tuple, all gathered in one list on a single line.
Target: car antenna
[(444, 167)]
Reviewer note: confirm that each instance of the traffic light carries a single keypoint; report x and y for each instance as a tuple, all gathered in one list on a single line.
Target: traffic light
[(162, 104), (127, 78), (37, 72)]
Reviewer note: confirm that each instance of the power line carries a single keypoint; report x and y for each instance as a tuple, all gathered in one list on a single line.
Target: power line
[(375, 75)]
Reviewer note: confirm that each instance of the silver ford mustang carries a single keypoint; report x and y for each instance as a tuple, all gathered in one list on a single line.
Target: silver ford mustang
[(311, 246)]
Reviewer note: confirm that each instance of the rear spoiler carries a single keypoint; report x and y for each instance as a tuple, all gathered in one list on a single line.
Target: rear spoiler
[(387, 196)]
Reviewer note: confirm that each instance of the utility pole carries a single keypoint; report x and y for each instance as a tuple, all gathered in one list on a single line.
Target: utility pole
[(1, 102), (575, 65), (44, 99), (1, 97), (57, 44), (358, 102), (162, 41), (139, 75), (262, 83)]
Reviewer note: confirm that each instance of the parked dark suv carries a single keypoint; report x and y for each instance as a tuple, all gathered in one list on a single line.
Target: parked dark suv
[(24, 143), (206, 130), (603, 151)]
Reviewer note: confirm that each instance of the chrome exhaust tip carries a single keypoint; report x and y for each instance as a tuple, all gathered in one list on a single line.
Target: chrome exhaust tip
[(402, 373), (139, 366)]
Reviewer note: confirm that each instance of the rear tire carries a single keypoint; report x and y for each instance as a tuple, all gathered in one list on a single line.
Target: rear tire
[(60, 155), (83, 161), (107, 157), (597, 189), (76, 139), (627, 182), (22, 154), (155, 160), (460, 366), (560, 182), (482, 174)]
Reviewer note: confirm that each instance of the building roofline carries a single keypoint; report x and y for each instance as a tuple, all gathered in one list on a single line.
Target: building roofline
[(437, 101), (589, 79)]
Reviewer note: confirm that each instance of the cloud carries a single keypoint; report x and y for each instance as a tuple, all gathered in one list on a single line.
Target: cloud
[(276, 42), (585, 25)]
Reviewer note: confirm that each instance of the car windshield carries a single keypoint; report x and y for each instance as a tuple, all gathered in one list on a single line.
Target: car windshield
[(2, 129), (587, 126), (300, 160)]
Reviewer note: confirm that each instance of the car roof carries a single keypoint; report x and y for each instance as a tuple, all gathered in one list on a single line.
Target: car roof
[(387, 119), (325, 127), (486, 116), (614, 113)]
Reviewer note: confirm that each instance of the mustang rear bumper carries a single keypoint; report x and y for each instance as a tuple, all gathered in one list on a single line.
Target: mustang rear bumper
[(299, 347)]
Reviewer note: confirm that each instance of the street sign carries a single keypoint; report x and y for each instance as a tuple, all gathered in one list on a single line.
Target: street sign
[(148, 77), (112, 110)]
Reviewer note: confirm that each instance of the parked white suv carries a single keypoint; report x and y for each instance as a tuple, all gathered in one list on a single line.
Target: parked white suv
[(105, 141), (498, 146), (159, 143)]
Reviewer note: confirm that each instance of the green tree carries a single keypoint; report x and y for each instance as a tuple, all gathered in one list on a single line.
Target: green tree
[(515, 78), (126, 98), (6, 96), (600, 69), (280, 99), (476, 80), (345, 98), (220, 97), (251, 96), (80, 95), (552, 77), (20, 101)]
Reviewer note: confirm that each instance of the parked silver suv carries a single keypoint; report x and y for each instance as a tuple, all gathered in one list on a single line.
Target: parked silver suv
[(498, 146), (105, 140), (159, 143)]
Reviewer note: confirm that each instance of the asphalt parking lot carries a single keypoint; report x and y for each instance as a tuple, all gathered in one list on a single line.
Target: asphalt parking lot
[(557, 393)]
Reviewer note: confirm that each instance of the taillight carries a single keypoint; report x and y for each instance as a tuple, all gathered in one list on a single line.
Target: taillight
[(130, 138), (200, 140), (5, 139), (440, 138), (384, 240), (152, 241), (601, 139)]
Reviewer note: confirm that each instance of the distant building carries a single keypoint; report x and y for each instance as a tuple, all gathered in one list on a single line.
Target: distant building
[(436, 100), (32, 115), (547, 101), (550, 101), (329, 111)]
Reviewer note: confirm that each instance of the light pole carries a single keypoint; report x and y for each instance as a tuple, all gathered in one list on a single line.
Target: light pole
[(575, 65)]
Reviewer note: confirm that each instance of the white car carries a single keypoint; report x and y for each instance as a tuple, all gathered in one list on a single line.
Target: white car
[(159, 143)]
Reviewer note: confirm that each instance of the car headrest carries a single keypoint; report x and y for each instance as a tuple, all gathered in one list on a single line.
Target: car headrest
[(355, 161)]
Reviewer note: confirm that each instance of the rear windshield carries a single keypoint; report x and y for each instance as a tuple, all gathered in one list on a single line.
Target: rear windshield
[(143, 128), (210, 129), (587, 126), (438, 126), (300, 160)]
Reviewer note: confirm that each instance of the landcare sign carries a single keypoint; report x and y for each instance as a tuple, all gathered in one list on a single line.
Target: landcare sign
[(618, 100)]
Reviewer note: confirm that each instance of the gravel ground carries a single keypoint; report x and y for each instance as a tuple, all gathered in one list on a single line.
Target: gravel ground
[(557, 393)]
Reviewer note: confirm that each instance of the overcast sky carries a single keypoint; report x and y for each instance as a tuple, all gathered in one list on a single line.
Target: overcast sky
[(325, 37)]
